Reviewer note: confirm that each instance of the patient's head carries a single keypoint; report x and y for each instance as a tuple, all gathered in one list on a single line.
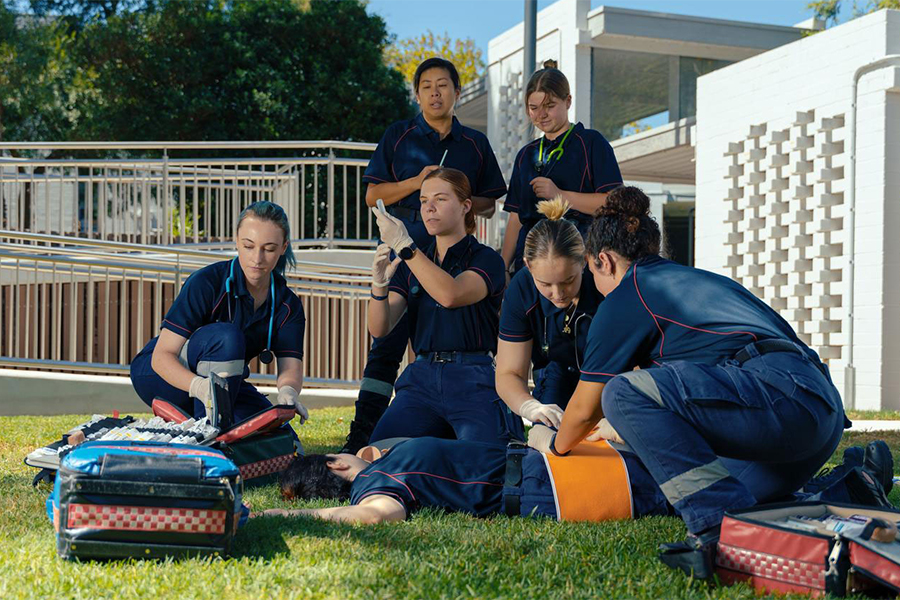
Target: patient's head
[(321, 476)]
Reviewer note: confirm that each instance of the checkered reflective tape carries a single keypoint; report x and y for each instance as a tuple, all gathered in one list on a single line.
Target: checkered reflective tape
[(771, 567), (266, 467), (145, 518)]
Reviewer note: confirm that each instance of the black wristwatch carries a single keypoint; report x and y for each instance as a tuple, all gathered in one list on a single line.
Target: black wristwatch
[(408, 252)]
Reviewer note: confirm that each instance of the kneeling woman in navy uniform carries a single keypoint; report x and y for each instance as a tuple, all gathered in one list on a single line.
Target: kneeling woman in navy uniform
[(227, 314), (452, 292), (547, 312), (729, 408)]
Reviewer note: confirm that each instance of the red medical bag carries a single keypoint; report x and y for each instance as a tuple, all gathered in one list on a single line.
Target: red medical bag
[(785, 548)]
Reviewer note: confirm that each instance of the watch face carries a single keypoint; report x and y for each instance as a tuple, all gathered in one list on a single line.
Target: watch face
[(406, 253)]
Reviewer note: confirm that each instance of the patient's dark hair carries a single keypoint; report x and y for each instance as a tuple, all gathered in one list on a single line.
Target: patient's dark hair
[(624, 225), (309, 477)]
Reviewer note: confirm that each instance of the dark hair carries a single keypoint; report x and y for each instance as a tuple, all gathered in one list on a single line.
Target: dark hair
[(549, 80), (268, 211), (309, 477), (436, 62), (461, 187), (554, 236), (624, 225)]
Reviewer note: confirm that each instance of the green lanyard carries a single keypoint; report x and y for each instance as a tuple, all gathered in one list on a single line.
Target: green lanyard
[(558, 151)]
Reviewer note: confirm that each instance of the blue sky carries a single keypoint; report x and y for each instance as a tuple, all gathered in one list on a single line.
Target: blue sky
[(481, 20)]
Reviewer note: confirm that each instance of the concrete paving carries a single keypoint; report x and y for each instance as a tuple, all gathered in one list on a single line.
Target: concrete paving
[(28, 393)]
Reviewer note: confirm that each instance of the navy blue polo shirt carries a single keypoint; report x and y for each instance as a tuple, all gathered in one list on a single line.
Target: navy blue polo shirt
[(588, 165), (409, 146), (469, 328), (662, 311), (449, 474), (203, 300), (527, 315)]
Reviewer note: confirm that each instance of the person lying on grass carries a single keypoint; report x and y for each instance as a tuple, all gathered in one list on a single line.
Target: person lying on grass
[(599, 481), (473, 477)]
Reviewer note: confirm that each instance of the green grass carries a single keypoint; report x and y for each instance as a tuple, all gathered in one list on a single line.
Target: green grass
[(874, 415), (433, 555)]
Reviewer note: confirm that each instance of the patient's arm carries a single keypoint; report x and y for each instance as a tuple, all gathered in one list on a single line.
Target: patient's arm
[(374, 509)]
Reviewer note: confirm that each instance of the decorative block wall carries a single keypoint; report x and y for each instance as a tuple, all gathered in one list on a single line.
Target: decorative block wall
[(784, 223)]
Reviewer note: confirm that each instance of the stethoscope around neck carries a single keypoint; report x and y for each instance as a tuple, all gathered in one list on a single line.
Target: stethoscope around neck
[(266, 355)]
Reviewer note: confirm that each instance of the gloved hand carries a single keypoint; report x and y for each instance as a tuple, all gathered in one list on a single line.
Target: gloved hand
[(392, 230), (534, 411), (604, 431), (539, 438), (288, 396), (201, 389), (383, 268)]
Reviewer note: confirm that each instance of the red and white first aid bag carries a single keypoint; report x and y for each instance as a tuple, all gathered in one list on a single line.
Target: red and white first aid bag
[(811, 548), (119, 499)]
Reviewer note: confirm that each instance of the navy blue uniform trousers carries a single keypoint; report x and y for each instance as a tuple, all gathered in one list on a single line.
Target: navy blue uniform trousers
[(449, 400), (218, 348), (728, 436), (555, 384)]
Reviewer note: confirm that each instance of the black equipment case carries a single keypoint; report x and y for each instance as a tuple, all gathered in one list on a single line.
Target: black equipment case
[(121, 499)]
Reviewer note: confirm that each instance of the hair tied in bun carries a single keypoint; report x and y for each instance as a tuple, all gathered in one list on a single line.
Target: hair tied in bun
[(551, 64), (632, 224)]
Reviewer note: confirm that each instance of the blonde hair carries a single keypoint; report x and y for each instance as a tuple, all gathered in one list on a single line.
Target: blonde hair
[(554, 236)]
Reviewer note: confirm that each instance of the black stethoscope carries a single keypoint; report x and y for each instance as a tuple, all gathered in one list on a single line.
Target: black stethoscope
[(266, 355)]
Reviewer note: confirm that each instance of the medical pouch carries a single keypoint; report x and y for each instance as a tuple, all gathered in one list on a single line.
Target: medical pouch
[(262, 458), (120, 499), (811, 548)]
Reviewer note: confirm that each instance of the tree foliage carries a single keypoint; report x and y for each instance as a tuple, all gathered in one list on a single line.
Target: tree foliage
[(205, 70), (827, 10), (407, 54)]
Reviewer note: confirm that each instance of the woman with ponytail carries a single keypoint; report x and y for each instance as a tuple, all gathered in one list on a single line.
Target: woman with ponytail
[(728, 409), (568, 160), (225, 315), (451, 291), (546, 315)]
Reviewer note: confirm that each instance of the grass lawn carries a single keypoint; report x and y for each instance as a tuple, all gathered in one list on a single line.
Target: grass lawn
[(433, 555)]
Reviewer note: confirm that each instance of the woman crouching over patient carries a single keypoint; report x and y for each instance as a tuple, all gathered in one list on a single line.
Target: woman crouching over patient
[(546, 315), (452, 292)]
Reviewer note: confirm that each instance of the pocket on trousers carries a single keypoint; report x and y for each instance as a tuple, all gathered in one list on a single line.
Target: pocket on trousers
[(712, 384)]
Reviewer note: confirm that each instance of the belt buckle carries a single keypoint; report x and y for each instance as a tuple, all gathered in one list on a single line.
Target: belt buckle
[(442, 357)]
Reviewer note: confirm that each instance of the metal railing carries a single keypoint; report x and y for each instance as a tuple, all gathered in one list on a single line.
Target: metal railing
[(186, 192), (89, 306)]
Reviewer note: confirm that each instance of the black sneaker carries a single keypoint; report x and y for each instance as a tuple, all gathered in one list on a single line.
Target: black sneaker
[(356, 439), (866, 489), (879, 463), (695, 556)]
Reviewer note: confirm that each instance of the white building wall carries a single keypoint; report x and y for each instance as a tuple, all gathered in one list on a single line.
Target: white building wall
[(772, 167), (558, 38)]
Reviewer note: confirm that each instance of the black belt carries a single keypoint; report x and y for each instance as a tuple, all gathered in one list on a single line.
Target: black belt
[(481, 356), (768, 346), (515, 452), (404, 213)]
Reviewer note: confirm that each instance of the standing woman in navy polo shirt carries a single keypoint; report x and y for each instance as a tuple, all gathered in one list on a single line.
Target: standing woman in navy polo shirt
[(452, 291), (227, 314), (547, 312), (407, 152), (729, 408), (568, 160)]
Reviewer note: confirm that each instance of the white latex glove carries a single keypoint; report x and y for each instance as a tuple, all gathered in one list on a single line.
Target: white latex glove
[(534, 411), (539, 438), (604, 431), (202, 391), (288, 396), (392, 230), (383, 268)]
